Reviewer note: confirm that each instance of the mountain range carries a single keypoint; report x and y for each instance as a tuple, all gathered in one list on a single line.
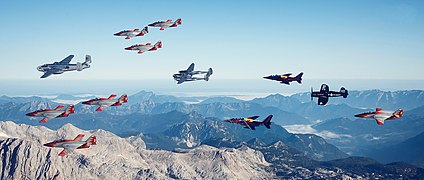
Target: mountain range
[(24, 157), (159, 118)]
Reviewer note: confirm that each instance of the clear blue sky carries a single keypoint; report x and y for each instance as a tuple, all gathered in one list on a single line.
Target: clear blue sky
[(239, 39)]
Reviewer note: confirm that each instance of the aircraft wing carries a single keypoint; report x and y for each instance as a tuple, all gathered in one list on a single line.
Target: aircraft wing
[(285, 82), (50, 72), (253, 117), (322, 100), (46, 74), (45, 119), (67, 60), (288, 74), (190, 68), (379, 122), (248, 125), (324, 88), (63, 152), (182, 78)]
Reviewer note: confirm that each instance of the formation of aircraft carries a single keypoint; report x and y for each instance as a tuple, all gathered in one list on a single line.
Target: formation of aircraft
[(137, 32), (285, 78), (182, 76), (325, 93), (63, 66), (250, 122), (48, 114), (166, 24), (189, 75), (380, 116), (107, 102), (68, 144), (145, 47), (132, 33)]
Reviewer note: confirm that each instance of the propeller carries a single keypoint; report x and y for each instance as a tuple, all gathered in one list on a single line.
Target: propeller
[(312, 90)]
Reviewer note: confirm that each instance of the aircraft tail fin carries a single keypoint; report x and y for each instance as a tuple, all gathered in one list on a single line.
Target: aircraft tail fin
[(176, 23), (267, 121), (144, 31), (299, 78), (208, 74), (158, 44), (123, 98), (92, 140), (69, 110), (344, 92), (397, 114), (87, 60)]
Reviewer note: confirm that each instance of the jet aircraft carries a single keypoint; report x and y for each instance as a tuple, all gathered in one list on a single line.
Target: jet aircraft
[(63, 66), (285, 78), (48, 114), (190, 75), (107, 102), (68, 144), (145, 47), (132, 33), (166, 24), (325, 93), (380, 116), (250, 122)]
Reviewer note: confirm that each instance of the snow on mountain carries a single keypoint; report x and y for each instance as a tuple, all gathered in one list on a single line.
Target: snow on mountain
[(24, 157)]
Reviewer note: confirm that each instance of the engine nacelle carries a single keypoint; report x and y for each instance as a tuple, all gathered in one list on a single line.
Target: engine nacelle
[(79, 66)]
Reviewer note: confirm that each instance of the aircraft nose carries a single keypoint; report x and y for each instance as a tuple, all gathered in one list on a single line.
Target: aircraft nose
[(267, 77), (30, 114), (49, 144), (128, 48)]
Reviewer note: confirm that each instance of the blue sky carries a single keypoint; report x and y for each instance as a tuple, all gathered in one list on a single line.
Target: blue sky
[(324, 39)]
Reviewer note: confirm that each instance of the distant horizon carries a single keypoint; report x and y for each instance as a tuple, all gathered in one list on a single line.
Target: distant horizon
[(242, 88)]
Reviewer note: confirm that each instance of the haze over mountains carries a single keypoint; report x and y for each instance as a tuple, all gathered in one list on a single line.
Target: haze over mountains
[(327, 133)]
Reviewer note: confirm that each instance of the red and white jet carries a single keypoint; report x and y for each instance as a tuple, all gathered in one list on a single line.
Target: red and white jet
[(107, 102), (52, 113), (166, 24), (380, 116), (145, 47), (133, 33), (68, 144)]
